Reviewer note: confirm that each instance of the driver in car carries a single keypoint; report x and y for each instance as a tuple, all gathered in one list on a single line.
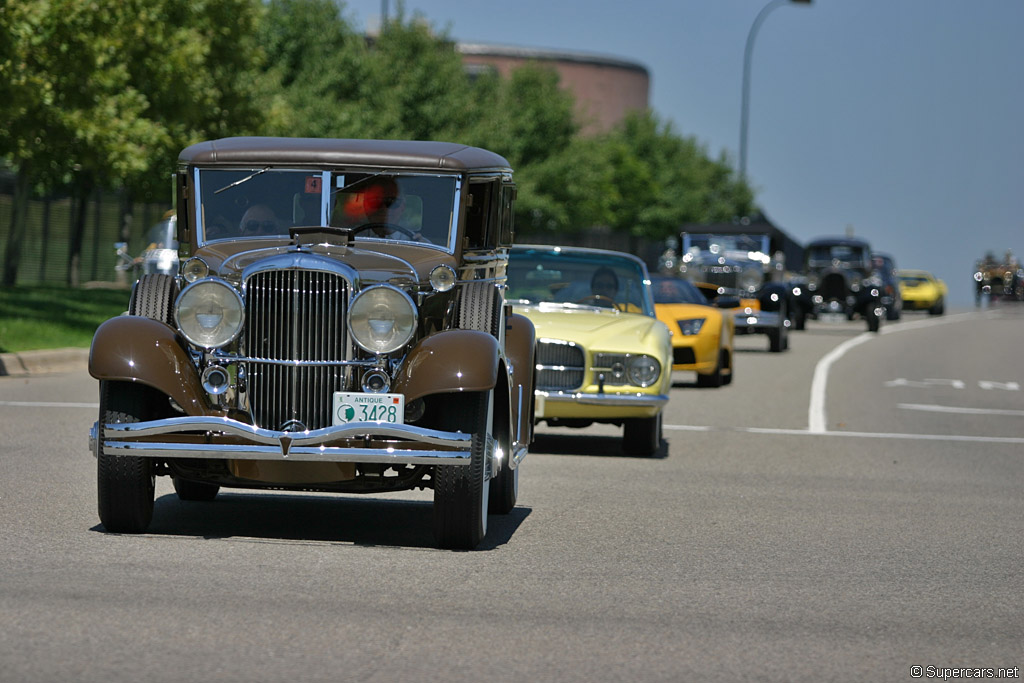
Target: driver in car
[(377, 208)]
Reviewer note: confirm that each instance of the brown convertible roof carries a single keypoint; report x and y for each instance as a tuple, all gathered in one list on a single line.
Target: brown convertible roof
[(424, 155)]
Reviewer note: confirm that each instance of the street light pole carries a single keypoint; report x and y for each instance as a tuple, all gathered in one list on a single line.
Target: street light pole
[(748, 50)]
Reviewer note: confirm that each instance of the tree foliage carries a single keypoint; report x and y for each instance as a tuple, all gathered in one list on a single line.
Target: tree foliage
[(105, 94)]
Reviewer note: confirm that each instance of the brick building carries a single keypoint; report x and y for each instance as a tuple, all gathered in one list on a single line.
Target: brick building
[(606, 88)]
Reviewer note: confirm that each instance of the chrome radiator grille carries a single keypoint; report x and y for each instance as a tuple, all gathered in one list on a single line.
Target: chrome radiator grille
[(560, 366), (294, 315), (718, 275)]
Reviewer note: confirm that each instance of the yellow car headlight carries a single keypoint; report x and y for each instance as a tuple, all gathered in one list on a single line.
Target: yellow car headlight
[(643, 370), (382, 319), (209, 313)]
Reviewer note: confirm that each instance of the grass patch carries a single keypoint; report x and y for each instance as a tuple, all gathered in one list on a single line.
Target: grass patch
[(52, 317)]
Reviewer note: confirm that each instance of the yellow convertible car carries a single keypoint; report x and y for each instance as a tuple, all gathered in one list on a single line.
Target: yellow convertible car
[(602, 355), (922, 291), (702, 335)]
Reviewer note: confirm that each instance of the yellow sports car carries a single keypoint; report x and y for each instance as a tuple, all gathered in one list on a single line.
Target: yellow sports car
[(922, 291), (702, 335), (602, 355)]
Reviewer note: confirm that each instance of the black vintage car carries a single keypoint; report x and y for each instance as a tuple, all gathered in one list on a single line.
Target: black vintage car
[(740, 269), (892, 299), (842, 280)]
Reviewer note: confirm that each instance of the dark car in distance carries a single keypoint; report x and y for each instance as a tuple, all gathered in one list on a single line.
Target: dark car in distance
[(892, 299), (841, 279)]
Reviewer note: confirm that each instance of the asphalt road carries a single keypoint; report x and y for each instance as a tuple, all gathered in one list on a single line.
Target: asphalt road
[(843, 511)]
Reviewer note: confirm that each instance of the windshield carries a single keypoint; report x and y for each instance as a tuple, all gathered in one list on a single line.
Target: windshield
[(538, 276), (752, 247), (913, 280), (673, 290), (839, 254), (162, 235), (265, 203)]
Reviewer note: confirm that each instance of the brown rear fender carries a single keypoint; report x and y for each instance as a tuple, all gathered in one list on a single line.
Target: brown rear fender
[(131, 348), (453, 360), (520, 345)]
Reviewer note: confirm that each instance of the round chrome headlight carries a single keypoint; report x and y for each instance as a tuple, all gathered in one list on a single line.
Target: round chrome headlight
[(442, 278), (194, 269), (209, 313), (750, 279), (382, 319), (642, 370)]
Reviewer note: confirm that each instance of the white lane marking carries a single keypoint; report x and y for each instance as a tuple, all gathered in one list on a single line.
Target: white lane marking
[(956, 409), (816, 408), (47, 404), (816, 418), (855, 435)]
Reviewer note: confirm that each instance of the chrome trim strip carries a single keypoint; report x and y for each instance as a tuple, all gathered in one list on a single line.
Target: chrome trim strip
[(633, 400), (297, 363)]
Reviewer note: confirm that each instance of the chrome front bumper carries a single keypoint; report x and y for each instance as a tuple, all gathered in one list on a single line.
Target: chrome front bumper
[(756, 321), (616, 400), (224, 438)]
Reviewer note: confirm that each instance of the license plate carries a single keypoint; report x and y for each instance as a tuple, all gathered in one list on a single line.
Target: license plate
[(354, 406)]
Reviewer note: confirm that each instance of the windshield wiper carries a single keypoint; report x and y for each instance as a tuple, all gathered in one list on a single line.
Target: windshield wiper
[(243, 180)]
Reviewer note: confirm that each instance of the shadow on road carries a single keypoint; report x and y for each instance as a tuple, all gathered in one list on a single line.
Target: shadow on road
[(594, 446), (282, 517)]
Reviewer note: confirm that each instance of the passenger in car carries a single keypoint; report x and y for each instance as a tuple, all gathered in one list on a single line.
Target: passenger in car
[(259, 219)]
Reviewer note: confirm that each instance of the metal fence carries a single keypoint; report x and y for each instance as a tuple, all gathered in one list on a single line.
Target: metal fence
[(45, 251)]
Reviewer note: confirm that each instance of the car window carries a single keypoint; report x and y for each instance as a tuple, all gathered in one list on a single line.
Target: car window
[(583, 278), (385, 206), (671, 290), (256, 202), (266, 202)]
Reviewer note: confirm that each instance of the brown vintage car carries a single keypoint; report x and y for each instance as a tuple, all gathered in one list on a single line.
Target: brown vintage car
[(337, 324)]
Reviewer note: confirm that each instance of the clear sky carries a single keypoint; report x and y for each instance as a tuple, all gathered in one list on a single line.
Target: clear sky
[(901, 120)]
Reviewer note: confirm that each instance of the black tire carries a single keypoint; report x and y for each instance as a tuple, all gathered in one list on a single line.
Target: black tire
[(800, 319), (778, 339), (727, 376), (461, 492), (125, 484), (713, 378), (641, 436), (873, 319), (195, 490), (504, 490), (892, 313), (153, 297), (480, 308), (938, 309)]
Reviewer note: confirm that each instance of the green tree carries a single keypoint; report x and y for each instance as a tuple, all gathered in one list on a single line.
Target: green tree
[(314, 67), (663, 180), (102, 95)]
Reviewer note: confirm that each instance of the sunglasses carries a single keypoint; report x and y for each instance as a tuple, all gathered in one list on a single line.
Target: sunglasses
[(260, 226)]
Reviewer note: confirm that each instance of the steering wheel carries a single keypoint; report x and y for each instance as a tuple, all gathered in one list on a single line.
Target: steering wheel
[(598, 299), (386, 226)]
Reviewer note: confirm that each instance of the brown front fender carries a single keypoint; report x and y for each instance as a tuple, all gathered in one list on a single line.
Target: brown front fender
[(453, 360), (131, 348)]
